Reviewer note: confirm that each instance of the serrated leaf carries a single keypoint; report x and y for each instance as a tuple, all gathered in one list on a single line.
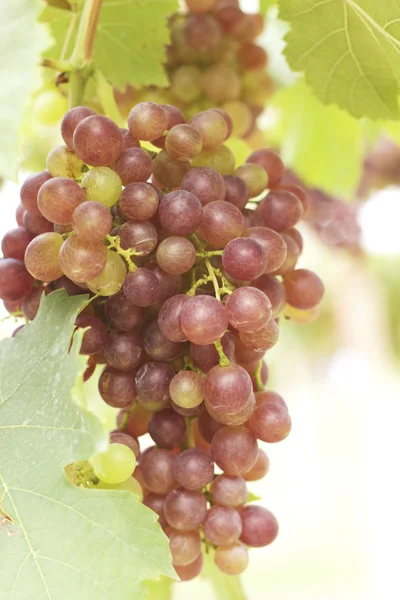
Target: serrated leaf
[(130, 40), (65, 542), (22, 40), (226, 587), (349, 51), (323, 144)]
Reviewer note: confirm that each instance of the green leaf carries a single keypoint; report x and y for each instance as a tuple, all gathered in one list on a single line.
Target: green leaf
[(265, 4), (226, 587), (160, 590), (349, 51), (22, 40), (130, 40), (323, 144), (65, 542)]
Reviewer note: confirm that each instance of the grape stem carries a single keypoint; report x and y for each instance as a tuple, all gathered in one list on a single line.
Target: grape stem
[(115, 242), (189, 433), (208, 253), (257, 377), (223, 359), (213, 278)]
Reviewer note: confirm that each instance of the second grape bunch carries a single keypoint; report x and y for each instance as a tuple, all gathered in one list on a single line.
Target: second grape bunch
[(189, 261)]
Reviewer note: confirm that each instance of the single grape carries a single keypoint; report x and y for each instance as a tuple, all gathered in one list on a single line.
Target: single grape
[(63, 162), (36, 223), (212, 128), (254, 177), (185, 509), (30, 189), (221, 83), (229, 490), (270, 422), (303, 288), (138, 421), (158, 471), (141, 287), (191, 570), (158, 347), (15, 281), (102, 184), (222, 525), (114, 465), (168, 317), (237, 192), (206, 357), (58, 198), (147, 121), (193, 469), (244, 259), (221, 223), (167, 171), (248, 309), (139, 201), (152, 383), (260, 469), (205, 183), (122, 314), (275, 292), (81, 261), (91, 221), (42, 256), (71, 120), (243, 119), (203, 320), (186, 389), (183, 142), (176, 255), (271, 163), (111, 278), (138, 236), (280, 210), (260, 526), (300, 193), (133, 165), (96, 335), (296, 237), (232, 560), (117, 388), (263, 339), (186, 83), (97, 141), (292, 255), (118, 437), (234, 450), (167, 428), (265, 396), (15, 242), (221, 159), (227, 118), (227, 390), (180, 213), (274, 245), (185, 546), (252, 56), (124, 350), (234, 418), (202, 32)]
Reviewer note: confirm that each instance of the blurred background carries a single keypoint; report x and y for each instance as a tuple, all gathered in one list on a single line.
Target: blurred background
[(334, 482)]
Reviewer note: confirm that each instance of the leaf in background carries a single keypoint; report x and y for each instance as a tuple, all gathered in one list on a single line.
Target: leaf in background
[(226, 587), (130, 41), (265, 4), (323, 144), (22, 40), (160, 590), (65, 542), (349, 51)]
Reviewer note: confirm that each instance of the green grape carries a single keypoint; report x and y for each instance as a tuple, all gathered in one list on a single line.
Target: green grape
[(186, 83), (221, 159), (102, 184), (63, 162), (115, 465), (130, 485), (49, 107), (111, 278)]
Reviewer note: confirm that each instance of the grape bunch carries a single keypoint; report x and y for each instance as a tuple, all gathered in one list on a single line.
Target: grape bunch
[(189, 263), (213, 60)]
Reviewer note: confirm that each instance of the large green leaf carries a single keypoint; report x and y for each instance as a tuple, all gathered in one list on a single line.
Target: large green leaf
[(226, 587), (22, 40), (349, 51), (130, 40), (323, 144), (64, 542)]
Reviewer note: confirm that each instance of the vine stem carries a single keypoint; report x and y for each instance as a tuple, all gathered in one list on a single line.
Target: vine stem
[(257, 377), (223, 359), (213, 278)]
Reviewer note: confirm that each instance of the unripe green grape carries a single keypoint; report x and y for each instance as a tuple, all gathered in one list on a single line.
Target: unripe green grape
[(112, 277), (63, 162), (49, 107), (186, 83), (114, 465), (130, 485), (254, 176), (221, 159), (102, 184)]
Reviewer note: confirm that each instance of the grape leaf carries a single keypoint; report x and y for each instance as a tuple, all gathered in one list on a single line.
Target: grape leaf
[(64, 542), (159, 590), (226, 587), (323, 144), (22, 40), (349, 51), (130, 40)]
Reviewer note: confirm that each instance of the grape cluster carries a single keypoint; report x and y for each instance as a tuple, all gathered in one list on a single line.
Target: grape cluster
[(189, 263), (213, 60)]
